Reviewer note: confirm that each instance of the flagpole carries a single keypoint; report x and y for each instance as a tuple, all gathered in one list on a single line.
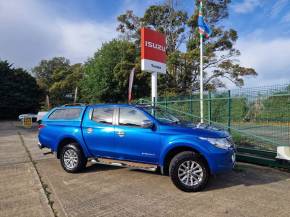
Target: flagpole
[(201, 78)]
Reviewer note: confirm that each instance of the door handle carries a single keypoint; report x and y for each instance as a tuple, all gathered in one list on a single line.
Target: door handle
[(89, 130), (121, 133)]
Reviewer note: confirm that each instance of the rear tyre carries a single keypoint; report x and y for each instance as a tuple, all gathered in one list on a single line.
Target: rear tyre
[(72, 158), (188, 172)]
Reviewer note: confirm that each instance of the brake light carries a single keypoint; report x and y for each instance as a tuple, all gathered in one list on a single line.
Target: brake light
[(40, 126)]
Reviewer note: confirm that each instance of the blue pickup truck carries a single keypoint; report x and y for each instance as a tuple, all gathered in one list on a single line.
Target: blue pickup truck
[(137, 136)]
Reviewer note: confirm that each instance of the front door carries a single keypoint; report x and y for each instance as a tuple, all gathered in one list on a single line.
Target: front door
[(99, 131), (133, 142)]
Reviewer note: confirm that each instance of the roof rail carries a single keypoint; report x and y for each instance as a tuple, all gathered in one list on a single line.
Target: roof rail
[(74, 104)]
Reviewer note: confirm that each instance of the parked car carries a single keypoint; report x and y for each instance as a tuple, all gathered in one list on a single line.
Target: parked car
[(30, 115), (137, 136)]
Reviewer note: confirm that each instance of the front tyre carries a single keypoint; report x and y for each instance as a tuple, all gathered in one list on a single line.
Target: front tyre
[(188, 172), (72, 158)]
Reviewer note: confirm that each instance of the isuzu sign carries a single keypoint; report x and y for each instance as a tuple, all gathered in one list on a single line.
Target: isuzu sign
[(153, 53)]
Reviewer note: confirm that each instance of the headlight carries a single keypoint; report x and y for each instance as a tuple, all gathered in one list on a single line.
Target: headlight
[(219, 142)]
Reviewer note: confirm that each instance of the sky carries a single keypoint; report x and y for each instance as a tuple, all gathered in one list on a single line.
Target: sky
[(32, 30)]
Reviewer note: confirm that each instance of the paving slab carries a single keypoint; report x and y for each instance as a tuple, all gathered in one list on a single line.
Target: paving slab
[(11, 149), (21, 192), (111, 191)]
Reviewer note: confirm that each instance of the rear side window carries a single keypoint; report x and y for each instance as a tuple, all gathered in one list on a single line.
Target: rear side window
[(103, 115), (65, 114)]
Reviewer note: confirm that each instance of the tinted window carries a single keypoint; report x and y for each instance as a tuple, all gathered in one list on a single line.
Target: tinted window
[(103, 115), (131, 117), (67, 114)]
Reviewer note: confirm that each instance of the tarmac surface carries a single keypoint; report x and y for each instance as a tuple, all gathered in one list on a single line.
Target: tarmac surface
[(32, 183)]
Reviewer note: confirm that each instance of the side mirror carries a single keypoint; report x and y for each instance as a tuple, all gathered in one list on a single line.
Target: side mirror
[(147, 124)]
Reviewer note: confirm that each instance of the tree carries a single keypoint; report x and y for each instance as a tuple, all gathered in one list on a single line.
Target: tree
[(50, 70), (63, 87), (58, 79), (162, 18), (107, 73), (19, 92), (220, 55)]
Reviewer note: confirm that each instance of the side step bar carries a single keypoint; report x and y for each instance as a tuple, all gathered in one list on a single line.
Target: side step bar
[(129, 164)]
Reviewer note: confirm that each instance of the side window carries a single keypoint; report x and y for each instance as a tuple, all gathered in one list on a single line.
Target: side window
[(103, 115), (65, 114), (131, 117)]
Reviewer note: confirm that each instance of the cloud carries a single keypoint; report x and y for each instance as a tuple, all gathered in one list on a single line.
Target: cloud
[(286, 18), (278, 7), (270, 58), (81, 39), (246, 6), (31, 31)]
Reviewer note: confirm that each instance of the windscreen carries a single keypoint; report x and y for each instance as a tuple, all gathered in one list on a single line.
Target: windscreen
[(163, 115)]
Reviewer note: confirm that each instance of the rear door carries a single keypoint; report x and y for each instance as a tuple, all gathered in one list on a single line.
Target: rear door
[(99, 131)]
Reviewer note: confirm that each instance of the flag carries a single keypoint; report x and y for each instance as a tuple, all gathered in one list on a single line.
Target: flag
[(203, 28), (131, 78)]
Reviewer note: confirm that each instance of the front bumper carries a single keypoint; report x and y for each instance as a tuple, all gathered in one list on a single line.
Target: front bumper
[(223, 161)]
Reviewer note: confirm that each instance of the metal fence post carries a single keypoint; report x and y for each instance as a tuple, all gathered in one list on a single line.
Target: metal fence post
[(190, 101), (190, 104), (209, 107), (229, 110), (166, 103)]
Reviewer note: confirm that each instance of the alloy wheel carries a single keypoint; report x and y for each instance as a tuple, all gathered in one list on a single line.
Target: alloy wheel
[(70, 158), (190, 173)]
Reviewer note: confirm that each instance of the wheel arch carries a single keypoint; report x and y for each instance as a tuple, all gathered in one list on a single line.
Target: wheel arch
[(67, 140), (173, 151)]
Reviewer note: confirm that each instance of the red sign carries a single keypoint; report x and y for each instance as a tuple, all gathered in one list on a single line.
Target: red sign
[(153, 51)]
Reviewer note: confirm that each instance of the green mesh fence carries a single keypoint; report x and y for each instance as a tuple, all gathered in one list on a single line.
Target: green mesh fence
[(257, 117)]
